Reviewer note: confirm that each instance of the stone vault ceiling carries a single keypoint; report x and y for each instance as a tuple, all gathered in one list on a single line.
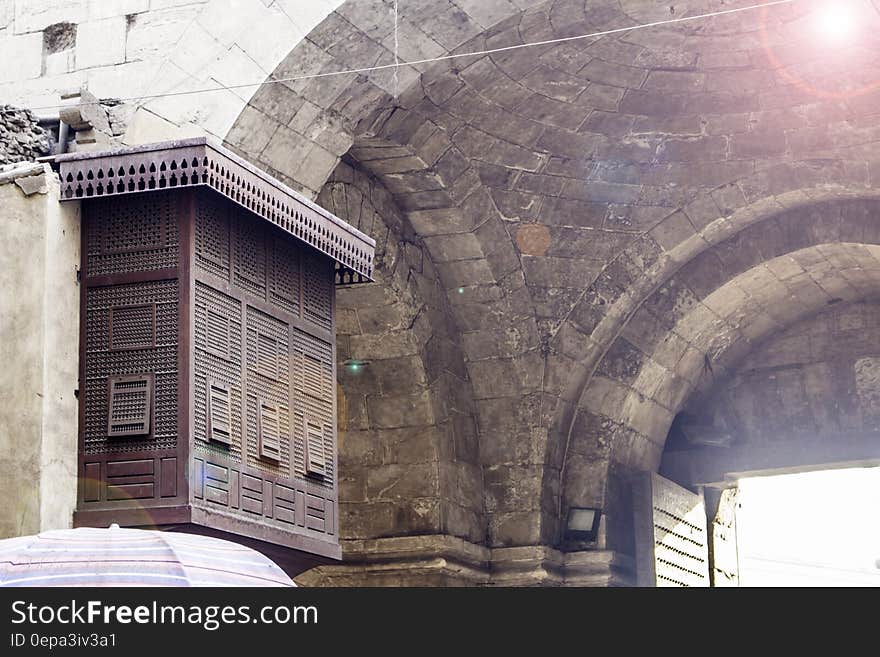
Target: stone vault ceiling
[(554, 189)]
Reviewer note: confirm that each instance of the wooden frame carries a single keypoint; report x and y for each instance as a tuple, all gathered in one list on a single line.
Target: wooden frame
[(216, 483)]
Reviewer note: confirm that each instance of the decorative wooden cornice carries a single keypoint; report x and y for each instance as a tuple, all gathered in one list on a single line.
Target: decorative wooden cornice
[(200, 161)]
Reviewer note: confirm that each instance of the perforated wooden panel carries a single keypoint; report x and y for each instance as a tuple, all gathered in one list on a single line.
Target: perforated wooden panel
[(217, 359), (670, 531), (268, 386), (130, 405), (314, 389), (133, 327), (131, 234), (284, 273), (317, 290), (250, 255), (157, 359), (212, 234)]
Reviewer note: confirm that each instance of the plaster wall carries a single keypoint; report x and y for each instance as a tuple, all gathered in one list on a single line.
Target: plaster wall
[(39, 328)]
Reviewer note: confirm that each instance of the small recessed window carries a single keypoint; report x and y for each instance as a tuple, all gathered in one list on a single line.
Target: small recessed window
[(129, 411)]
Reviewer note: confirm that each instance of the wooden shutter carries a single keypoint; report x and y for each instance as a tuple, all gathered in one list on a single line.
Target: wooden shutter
[(219, 411), (267, 355), (269, 431), (314, 393), (670, 531), (218, 331), (316, 455), (129, 408)]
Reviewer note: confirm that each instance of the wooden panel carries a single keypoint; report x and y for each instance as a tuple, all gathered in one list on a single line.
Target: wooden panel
[(198, 482), (234, 487), (316, 456), (215, 472), (219, 413), (92, 482), (285, 494), (251, 505), (216, 495), (269, 431), (267, 498), (129, 468), (252, 494), (670, 532), (314, 512), (129, 491), (285, 499), (168, 477), (300, 508), (130, 404), (252, 484), (329, 517)]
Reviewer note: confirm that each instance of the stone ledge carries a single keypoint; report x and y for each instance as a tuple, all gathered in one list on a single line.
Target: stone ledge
[(30, 177), (440, 560)]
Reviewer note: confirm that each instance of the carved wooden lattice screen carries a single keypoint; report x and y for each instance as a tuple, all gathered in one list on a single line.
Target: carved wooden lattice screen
[(208, 389)]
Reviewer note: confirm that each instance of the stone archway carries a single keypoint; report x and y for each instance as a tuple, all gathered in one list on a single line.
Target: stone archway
[(695, 326), (552, 229)]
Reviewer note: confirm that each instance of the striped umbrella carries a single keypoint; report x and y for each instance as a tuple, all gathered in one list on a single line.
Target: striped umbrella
[(90, 556)]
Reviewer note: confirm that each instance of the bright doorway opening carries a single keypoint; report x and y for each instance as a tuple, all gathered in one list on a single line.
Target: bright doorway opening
[(810, 529)]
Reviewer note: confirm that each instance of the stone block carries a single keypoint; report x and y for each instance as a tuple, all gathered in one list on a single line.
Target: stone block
[(35, 15), (559, 272), (515, 528), (403, 411), (399, 376), (672, 230), (402, 482), (579, 214), (26, 51), (448, 248), (153, 34), (101, 42)]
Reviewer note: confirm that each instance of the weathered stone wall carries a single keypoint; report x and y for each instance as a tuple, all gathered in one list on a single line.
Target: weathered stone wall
[(409, 456), (39, 337), (563, 187), (611, 223), (138, 48), (808, 396), (21, 138)]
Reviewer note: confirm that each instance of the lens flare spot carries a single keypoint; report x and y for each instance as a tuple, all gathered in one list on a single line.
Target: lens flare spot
[(835, 22)]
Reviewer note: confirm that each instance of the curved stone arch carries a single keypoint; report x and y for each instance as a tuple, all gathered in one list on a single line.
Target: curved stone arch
[(848, 222), (407, 432), (327, 127), (626, 448), (588, 332), (487, 302)]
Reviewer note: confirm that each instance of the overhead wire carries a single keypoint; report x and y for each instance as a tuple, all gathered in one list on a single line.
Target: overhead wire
[(430, 60)]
